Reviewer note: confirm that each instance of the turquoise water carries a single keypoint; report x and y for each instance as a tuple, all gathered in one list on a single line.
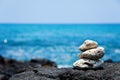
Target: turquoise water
[(57, 42)]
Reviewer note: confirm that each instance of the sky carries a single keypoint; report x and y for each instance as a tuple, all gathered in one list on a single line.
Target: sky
[(59, 11)]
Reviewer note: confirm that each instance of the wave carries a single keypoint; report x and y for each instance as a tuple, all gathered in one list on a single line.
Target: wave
[(59, 44), (117, 51)]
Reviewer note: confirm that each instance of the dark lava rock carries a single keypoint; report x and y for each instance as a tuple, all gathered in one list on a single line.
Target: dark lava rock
[(42, 69), (9, 67), (44, 62), (109, 61), (110, 71), (1, 76)]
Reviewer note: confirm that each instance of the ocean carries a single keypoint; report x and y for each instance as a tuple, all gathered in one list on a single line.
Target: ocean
[(57, 42)]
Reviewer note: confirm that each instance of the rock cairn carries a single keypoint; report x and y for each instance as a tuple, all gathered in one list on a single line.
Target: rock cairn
[(90, 57)]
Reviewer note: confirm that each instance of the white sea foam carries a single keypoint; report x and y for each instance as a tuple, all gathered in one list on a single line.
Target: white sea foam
[(117, 51), (5, 40), (64, 66)]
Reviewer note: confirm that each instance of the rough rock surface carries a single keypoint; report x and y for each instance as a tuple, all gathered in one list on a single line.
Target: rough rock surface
[(47, 70), (93, 54), (110, 71), (9, 67), (88, 44), (85, 63), (90, 56)]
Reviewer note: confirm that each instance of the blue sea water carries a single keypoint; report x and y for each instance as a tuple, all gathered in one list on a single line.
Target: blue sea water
[(57, 42)]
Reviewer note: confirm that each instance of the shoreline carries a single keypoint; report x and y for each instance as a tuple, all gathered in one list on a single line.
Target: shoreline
[(42, 69)]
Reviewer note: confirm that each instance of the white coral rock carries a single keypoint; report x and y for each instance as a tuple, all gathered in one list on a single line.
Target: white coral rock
[(88, 44), (86, 63), (93, 54)]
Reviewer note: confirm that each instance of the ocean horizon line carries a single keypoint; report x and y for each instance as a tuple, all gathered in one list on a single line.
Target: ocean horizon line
[(60, 23)]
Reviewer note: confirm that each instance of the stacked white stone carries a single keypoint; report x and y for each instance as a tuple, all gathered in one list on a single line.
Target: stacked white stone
[(91, 54)]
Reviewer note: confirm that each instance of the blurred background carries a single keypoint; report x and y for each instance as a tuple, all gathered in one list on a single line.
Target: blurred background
[(54, 29)]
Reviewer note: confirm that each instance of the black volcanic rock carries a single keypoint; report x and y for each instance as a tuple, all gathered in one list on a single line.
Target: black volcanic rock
[(110, 71), (46, 70), (109, 61), (9, 67), (44, 62)]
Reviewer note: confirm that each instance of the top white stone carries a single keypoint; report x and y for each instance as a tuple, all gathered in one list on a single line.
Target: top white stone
[(88, 44)]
